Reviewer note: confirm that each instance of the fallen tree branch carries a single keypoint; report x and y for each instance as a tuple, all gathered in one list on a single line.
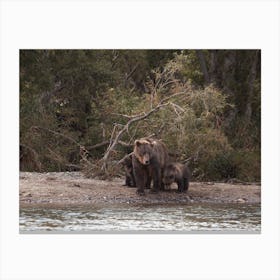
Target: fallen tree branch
[(104, 143), (121, 115), (125, 144), (121, 160), (164, 102), (178, 107), (34, 128), (127, 76), (83, 150), (72, 166)]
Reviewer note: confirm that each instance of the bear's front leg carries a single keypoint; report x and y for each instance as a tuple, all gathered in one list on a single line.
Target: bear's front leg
[(140, 180), (127, 181), (186, 184), (156, 180), (140, 176), (180, 184), (148, 183)]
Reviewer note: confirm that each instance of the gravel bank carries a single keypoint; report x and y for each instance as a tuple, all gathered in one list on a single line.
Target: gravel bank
[(72, 188)]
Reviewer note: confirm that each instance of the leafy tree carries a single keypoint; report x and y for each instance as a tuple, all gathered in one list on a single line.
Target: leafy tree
[(70, 99)]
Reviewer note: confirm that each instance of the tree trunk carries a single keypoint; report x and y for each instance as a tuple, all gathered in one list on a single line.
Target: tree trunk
[(251, 80), (213, 66), (228, 71), (203, 66)]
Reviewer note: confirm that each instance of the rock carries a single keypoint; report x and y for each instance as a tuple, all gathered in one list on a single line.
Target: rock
[(51, 178), (241, 200)]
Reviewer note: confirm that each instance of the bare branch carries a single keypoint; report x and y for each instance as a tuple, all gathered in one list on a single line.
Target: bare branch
[(177, 108), (56, 157), (121, 160), (164, 102), (121, 115), (34, 128), (127, 76), (134, 133), (125, 144), (98, 145), (169, 82)]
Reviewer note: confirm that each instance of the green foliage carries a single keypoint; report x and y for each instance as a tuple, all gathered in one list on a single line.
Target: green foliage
[(244, 165), (191, 69), (85, 97), (248, 165), (222, 166)]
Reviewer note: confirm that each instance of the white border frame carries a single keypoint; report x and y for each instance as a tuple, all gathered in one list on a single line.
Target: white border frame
[(135, 24)]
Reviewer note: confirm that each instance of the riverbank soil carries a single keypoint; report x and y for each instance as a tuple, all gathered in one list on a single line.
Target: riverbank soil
[(72, 188)]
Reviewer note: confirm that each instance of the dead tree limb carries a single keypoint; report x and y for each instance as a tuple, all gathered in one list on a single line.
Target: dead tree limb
[(126, 156), (34, 128), (121, 115), (125, 144), (127, 76), (164, 102), (104, 143), (83, 150), (134, 133)]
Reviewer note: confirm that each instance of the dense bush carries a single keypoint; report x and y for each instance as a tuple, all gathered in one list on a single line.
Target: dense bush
[(73, 99)]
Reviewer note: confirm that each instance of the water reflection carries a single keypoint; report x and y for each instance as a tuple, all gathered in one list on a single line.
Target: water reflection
[(191, 217)]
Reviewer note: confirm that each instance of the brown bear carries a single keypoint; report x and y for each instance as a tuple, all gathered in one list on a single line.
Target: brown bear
[(148, 160), (129, 176), (178, 173)]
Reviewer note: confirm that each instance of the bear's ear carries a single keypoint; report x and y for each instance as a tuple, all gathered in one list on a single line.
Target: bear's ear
[(137, 143)]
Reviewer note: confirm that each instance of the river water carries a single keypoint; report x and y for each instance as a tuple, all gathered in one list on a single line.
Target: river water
[(189, 218)]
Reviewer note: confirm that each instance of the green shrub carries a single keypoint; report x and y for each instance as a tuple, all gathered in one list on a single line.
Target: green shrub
[(248, 165), (241, 165)]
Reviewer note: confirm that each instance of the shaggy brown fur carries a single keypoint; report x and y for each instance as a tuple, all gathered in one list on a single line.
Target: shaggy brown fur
[(178, 173), (129, 176), (149, 159)]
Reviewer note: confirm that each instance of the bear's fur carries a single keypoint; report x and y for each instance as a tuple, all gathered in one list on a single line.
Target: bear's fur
[(177, 173), (129, 176), (148, 160)]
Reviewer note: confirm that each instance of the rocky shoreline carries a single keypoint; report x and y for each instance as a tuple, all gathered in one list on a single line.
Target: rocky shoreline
[(72, 188)]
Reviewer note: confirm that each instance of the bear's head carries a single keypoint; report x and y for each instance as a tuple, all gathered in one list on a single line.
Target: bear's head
[(143, 151)]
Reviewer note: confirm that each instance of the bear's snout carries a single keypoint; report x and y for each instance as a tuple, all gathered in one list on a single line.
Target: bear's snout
[(146, 159)]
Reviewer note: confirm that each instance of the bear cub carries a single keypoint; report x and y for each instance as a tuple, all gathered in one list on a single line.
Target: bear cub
[(128, 169), (177, 173)]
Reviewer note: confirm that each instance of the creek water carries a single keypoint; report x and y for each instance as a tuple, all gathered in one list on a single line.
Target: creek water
[(141, 218)]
